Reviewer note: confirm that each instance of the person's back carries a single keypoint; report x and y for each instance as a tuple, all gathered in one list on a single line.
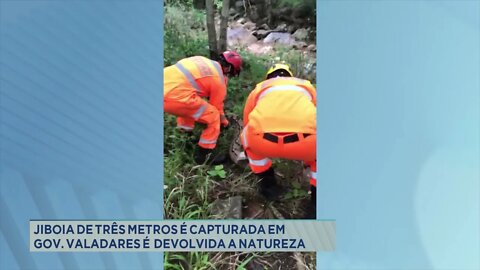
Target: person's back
[(196, 75), (284, 104)]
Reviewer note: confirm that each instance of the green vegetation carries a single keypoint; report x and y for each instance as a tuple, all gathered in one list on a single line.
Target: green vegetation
[(184, 36), (295, 3), (190, 190)]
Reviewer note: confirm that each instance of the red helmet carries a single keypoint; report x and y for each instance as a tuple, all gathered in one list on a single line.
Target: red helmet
[(235, 60)]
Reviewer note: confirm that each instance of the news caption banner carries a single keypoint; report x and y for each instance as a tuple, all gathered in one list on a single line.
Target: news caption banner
[(181, 235)]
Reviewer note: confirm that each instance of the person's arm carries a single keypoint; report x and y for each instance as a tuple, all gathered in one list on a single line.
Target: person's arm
[(312, 91), (217, 99), (249, 106)]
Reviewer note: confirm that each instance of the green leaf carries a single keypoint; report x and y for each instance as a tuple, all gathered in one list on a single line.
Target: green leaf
[(212, 173), (222, 174), (181, 202), (218, 167), (243, 265)]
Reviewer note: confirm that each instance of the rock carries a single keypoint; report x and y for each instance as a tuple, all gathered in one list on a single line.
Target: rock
[(264, 27), (281, 27), (300, 45), (230, 208), (255, 208), (312, 48), (261, 34), (301, 34), (280, 38), (291, 29), (250, 25), (240, 36), (241, 20), (260, 48)]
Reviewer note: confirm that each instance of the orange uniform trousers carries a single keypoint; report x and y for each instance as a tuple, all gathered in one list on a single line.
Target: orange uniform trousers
[(196, 110), (259, 150)]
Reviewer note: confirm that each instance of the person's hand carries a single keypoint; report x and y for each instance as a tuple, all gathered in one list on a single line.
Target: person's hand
[(224, 121)]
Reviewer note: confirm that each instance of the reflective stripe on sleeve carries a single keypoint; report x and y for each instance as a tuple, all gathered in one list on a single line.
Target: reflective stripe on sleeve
[(244, 135), (219, 71)]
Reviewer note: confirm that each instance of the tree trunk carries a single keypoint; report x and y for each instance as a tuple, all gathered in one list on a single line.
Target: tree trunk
[(269, 13), (222, 41), (212, 36)]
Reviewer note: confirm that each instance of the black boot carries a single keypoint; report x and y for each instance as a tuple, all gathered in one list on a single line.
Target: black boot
[(268, 185), (311, 210), (203, 155)]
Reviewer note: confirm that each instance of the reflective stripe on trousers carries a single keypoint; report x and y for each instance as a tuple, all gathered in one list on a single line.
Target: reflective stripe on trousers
[(259, 162), (207, 141), (185, 127), (199, 112)]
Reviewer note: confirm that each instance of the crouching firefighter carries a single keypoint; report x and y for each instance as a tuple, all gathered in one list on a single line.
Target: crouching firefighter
[(280, 122), (186, 84)]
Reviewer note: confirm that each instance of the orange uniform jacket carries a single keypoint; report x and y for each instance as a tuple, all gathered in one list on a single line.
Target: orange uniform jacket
[(277, 104), (203, 77), (281, 106), (185, 84)]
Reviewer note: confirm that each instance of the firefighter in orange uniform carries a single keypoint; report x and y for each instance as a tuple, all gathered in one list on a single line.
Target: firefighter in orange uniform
[(280, 122), (186, 84)]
